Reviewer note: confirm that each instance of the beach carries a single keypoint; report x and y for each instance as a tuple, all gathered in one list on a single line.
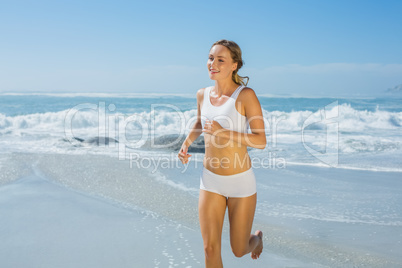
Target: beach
[(94, 181), (90, 210)]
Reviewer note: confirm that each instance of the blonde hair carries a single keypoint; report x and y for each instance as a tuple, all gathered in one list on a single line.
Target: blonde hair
[(235, 53)]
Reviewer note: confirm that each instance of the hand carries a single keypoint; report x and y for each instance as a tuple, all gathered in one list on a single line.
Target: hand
[(212, 127), (183, 155)]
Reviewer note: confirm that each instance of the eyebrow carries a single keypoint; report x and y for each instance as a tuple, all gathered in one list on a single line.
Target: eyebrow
[(218, 56)]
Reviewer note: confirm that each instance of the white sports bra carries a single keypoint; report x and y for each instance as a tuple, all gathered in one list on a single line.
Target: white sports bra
[(226, 114)]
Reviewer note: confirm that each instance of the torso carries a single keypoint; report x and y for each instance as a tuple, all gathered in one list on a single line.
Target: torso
[(224, 156)]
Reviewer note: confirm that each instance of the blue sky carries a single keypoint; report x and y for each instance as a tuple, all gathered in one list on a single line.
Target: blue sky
[(303, 48)]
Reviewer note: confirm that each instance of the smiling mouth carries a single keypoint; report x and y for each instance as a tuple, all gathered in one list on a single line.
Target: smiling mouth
[(213, 71)]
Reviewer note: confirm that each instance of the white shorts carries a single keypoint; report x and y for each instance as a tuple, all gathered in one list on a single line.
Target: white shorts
[(242, 184)]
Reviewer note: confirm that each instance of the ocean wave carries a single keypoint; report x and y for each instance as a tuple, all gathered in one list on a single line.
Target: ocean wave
[(176, 121), (348, 118), (358, 131)]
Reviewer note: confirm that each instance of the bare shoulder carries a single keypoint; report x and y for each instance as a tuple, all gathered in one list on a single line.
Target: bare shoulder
[(252, 106), (247, 95), (200, 94)]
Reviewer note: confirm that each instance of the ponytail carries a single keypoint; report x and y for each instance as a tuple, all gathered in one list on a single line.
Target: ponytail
[(239, 79)]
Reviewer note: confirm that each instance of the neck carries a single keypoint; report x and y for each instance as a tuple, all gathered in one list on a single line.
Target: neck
[(225, 87)]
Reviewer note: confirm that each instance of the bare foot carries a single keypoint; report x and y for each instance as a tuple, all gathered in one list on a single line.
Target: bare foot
[(257, 251)]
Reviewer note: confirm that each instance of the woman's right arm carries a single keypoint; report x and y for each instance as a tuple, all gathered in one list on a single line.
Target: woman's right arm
[(195, 131)]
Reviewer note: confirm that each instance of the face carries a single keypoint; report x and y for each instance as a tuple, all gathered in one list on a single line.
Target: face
[(220, 64)]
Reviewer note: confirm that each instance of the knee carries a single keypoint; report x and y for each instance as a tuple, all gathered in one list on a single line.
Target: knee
[(212, 250), (239, 251)]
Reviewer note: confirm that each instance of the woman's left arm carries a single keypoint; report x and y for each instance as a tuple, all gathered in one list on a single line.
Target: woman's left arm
[(254, 116)]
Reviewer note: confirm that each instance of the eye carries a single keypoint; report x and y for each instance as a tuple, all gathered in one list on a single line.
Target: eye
[(221, 60), (211, 58)]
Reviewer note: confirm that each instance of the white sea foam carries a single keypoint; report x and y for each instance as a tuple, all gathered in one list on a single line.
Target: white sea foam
[(324, 214), (174, 121), (160, 177), (359, 131), (349, 119)]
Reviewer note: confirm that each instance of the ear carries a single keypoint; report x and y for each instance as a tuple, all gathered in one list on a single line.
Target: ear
[(234, 66)]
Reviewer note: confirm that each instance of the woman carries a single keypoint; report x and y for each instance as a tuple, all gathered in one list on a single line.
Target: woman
[(225, 111)]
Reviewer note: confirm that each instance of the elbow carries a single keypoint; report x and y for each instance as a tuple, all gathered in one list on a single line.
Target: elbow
[(262, 143), (261, 146), (198, 125)]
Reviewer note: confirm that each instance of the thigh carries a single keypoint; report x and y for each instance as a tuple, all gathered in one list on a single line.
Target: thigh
[(211, 210), (241, 216)]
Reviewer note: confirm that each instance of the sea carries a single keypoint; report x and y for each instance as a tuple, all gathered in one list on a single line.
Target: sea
[(329, 180), (346, 133)]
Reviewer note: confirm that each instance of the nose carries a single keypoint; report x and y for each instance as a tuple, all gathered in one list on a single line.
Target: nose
[(212, 63)]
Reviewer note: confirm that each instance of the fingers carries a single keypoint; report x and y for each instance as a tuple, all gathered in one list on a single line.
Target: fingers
[(183, 153), (184, 160), (183, 156), (207, 126), (211, 127)]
